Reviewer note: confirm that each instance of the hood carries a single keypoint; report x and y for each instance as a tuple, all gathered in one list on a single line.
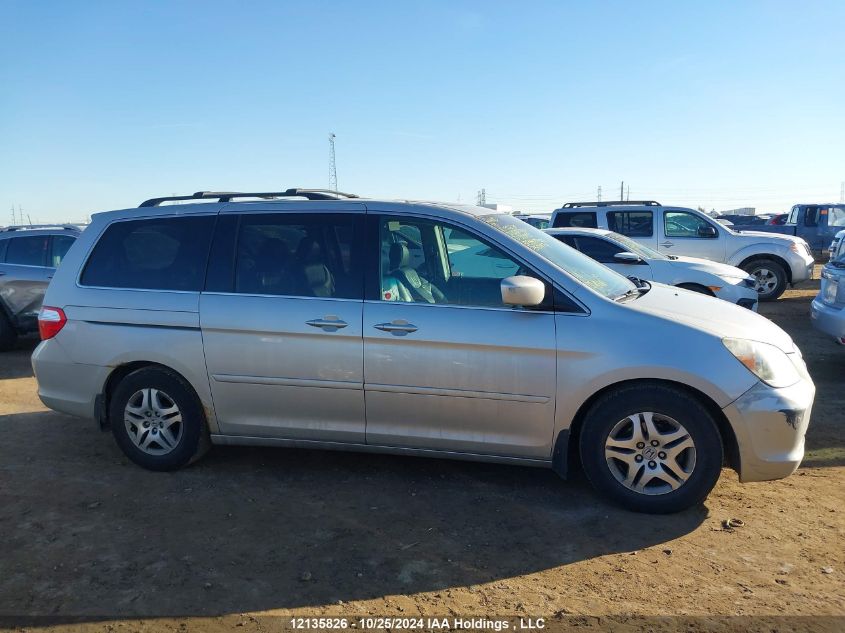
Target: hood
[(709, 314), (754, 237), (707, 266)]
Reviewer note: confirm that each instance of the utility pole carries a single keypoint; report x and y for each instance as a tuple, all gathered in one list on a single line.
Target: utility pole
[(13, 215), (621, 191), (481, 200), (598, 194), (332, 165), (628, 193), (842, 191)]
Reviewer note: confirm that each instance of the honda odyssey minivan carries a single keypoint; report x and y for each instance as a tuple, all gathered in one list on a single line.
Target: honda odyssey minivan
[(316, 319)]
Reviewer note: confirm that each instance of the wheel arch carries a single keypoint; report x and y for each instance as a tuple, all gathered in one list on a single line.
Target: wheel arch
[(566, 462), (787, 269), (122, 371)]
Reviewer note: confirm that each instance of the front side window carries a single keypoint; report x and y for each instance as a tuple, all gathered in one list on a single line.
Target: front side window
[(432, 262), (631, 223), (28, 251), (579, 219), (299, 255), (156, 254), (597, 248), (685, 224)]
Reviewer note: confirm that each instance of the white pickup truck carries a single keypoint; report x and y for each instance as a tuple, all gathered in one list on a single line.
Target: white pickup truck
[(775, 261)]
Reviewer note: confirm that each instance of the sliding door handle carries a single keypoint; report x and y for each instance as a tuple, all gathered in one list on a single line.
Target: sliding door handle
[(399, 327), (328, 323)]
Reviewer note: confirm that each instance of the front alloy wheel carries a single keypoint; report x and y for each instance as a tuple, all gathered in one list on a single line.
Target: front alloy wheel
[(649, 453)]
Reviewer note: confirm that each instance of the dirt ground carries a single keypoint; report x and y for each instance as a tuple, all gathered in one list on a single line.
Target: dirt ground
[(90, 542)]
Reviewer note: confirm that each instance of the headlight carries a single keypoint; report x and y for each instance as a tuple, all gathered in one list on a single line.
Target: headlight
[(765, 361)]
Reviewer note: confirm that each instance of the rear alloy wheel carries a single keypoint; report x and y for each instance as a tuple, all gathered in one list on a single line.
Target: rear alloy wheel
[(769, 278), (157, 419), (651, 447)]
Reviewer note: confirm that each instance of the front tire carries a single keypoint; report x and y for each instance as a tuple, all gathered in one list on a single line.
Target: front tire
[(157, 419), (651, 448), (769, 278)]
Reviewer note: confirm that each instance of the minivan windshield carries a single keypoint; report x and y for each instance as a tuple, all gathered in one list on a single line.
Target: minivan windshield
[(584, 269)]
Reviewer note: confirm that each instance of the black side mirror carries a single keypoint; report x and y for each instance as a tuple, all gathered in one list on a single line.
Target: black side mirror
[(707, 231)]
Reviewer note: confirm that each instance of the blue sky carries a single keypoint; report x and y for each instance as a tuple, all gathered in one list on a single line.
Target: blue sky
[(719, 104)]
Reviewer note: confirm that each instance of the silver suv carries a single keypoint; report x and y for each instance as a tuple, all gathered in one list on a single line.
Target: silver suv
[(29, 255), (315, 319)]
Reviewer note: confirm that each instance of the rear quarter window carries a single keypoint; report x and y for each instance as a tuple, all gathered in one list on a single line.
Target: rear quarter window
[(580, 219), (155, 254)]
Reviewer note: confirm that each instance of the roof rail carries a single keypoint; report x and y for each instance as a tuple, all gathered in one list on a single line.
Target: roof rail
[(613, 203), (227, 196), (23, 227)]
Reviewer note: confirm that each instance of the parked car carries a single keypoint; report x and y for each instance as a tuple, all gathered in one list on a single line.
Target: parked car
[(775, 261), (272, 322), (540, 221), (29, 256), (778, 219), (742, 220), (814, 223), (835, 244), (632, 259), (827, 312)]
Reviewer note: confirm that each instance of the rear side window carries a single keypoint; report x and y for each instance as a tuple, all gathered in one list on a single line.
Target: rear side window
[(580, 219), (300, 255), (631, 223), (28, 251), (157, 254)]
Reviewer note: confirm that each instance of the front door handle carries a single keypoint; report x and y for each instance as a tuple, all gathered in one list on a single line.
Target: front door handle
[(667, 244), (329, 323), (399, 327)]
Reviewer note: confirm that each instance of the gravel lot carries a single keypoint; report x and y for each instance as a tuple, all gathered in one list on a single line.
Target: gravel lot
[(89, 541)]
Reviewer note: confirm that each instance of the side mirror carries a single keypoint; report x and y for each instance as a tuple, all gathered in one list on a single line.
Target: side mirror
[(627, 258), (520, 290), (707, 231)]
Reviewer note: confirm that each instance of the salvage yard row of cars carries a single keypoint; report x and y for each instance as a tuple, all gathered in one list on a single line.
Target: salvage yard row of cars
[(271, 318)]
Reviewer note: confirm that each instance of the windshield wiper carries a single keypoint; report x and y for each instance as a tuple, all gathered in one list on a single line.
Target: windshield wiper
[(642, 287)]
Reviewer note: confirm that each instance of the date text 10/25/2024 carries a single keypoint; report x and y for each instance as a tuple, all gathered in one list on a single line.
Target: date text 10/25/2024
[(416, 623)]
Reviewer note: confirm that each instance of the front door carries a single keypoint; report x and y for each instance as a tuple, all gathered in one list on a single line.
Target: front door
[(281, 325), (448, 366), (691, 235)]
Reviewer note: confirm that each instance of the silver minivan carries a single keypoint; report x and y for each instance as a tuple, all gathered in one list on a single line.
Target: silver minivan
[(315, 319)]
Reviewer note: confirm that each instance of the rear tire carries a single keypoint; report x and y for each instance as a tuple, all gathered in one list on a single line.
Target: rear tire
[(8, 335), (157, 419), (667, 463), (770, 278)]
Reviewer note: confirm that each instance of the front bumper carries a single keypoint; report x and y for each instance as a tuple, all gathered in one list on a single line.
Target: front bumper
[(769, 425), (828, 319), (801, 267), (739, 293)]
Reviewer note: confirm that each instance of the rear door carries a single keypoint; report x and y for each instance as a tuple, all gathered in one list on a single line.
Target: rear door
[(24, 277), (281, 323), (638, 224), (447, 365)]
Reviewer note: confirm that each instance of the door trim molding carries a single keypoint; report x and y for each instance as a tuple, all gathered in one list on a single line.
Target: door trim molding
[(288, 382), (455, 393)]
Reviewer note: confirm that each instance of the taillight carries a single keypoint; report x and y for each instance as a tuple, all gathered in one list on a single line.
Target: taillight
[(50, 321)]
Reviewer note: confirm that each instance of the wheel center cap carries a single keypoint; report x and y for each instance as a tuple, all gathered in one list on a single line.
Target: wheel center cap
[(649, 452)]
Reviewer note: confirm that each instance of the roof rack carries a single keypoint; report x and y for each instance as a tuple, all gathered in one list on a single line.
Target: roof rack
[(24, 227), (613, 203), (227, 196)]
